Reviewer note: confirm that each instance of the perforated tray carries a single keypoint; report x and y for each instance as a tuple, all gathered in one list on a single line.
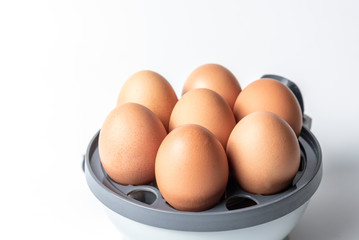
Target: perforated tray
[(237, 208)]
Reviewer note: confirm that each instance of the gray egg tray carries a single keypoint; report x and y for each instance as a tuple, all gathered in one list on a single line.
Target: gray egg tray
[(237, 208)]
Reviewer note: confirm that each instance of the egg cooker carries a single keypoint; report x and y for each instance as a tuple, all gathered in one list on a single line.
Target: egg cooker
[(140, 211)]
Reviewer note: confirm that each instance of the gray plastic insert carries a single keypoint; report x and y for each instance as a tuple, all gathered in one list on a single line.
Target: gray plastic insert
[(237, 208)]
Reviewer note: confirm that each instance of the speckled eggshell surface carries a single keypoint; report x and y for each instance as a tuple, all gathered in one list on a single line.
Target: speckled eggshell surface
[(217, 78), (263, 153), (191, 168), (128, 144), (206, 108), (151, 90), (269, 95)]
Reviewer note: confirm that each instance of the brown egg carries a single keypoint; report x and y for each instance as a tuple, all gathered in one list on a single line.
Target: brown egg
[(216, 78), (263, 153), (128, 144), (191, 168), (151, 90), (206, 108), (269, 95)]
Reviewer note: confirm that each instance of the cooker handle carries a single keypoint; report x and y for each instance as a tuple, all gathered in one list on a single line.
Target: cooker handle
[(307, 121), (83, 163)]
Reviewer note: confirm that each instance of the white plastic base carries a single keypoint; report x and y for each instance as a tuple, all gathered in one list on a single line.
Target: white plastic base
[(274, 230)]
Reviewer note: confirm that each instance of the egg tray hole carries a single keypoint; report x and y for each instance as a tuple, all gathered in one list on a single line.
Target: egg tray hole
[(143, 196), (234, 197), (238, 202)]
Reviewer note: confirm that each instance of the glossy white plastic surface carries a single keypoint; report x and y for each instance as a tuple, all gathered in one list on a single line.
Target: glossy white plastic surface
[(274, 230)]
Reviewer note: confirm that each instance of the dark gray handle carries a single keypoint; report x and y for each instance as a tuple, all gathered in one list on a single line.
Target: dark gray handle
[(83, 163)]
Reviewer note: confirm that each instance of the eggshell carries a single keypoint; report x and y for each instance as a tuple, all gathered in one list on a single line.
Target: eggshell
[(191, 168), (214, 77), (263, 153), (151, 90), (206, 108), (269, 95), (128, 144)]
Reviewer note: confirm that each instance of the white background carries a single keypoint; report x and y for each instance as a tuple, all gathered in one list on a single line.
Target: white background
[(62, 64)]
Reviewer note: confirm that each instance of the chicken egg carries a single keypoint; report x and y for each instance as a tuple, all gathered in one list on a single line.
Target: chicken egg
[(206, 108), (128, 144), (214, 77), (269, 95), (191, 168), (151, 90), (263, 153)]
